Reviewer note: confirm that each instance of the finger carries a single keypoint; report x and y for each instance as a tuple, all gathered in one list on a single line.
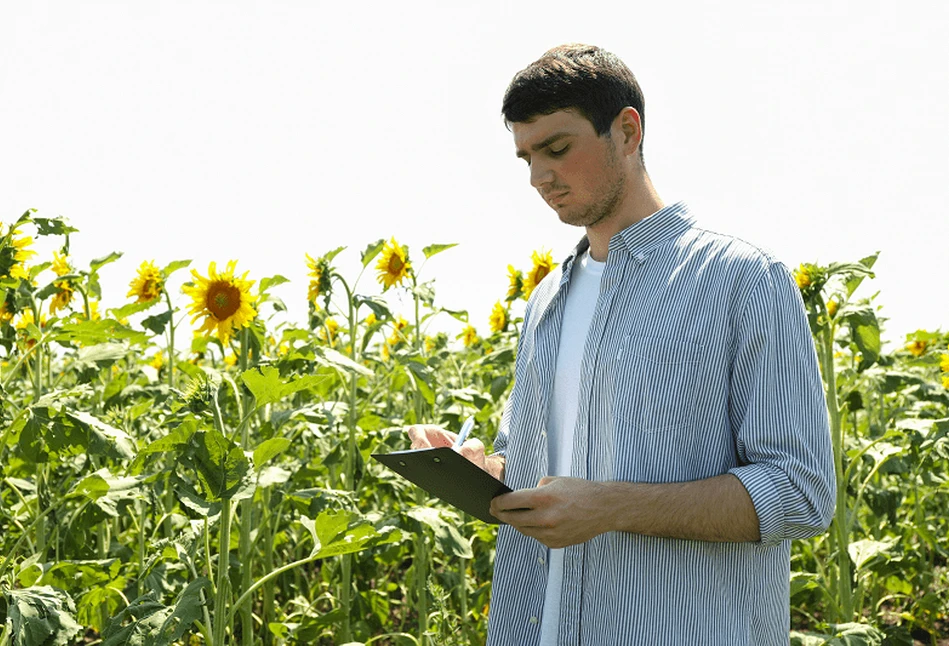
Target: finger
[(473, 450), (546, 480)]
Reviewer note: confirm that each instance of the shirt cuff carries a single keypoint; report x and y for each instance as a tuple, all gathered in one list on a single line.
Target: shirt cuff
[(766, 500)]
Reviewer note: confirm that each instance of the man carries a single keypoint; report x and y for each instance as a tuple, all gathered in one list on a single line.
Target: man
[(666, 435)]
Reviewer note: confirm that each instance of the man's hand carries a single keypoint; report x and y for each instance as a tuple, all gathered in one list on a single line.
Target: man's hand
[(426, 436), (558, 512)]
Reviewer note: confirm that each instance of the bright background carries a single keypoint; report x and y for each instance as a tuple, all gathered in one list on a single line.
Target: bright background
[(260, 131)]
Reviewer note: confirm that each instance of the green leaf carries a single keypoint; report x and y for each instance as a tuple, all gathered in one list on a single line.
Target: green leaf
[(272, 281), (132, 308), (41, 616), (269, 449), (157, 323), (421, 376), (372, 251), (53, 227), (854, 281), (865, 330), (447, 536), (267, 387), (377, 305), (330, 357), (97, 263), (104, 439), (148, 615), (107, 490), (104, 352), (221, 464), (187, 610), (433, 249), (329, 255), (866, 550), (174, 266), (93, 332), (344, 532)]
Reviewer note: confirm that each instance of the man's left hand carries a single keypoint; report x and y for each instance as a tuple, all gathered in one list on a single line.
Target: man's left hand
[(558, 512)]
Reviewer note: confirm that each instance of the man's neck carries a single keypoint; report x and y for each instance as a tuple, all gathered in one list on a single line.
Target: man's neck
[(641, 201)]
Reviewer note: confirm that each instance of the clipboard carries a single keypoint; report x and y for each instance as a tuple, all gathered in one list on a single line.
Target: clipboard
[(446, 474)]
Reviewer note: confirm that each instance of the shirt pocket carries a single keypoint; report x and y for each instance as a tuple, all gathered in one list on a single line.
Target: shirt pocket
[(655, 383)]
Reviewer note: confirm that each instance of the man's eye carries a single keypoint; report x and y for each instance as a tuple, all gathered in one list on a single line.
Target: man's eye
[(559, 151)]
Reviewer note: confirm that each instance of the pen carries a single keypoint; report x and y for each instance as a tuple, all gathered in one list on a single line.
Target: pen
[(465, 429)]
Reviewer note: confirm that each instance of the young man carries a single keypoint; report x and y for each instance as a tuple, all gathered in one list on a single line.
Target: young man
[(666, 435)]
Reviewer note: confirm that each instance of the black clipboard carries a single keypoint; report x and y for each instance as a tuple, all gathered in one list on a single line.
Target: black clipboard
[(446, 474)]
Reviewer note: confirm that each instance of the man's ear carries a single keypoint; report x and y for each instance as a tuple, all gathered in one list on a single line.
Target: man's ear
[(630, 124)]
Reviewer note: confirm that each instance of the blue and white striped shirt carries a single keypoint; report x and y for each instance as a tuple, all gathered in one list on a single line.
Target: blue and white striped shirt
[(698, 362)]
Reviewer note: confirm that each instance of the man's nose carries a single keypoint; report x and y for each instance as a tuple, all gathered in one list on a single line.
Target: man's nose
[(541, 175)]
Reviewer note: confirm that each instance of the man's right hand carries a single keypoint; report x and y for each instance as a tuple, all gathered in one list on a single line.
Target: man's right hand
[(426, 436)]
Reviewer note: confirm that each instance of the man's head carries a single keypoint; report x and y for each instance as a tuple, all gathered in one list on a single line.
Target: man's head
[(584, 78)]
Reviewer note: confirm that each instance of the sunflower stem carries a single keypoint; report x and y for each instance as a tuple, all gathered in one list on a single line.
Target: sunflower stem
[(421, 547), (246, 512), (171, 339)]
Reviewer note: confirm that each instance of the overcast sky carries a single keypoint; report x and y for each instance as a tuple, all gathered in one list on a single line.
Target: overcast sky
[(262, 131)]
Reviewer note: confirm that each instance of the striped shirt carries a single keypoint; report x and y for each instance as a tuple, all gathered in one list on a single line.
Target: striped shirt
[(699, 361)]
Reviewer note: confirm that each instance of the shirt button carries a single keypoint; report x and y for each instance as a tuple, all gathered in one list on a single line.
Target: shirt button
[(533, 620), (540, 560)]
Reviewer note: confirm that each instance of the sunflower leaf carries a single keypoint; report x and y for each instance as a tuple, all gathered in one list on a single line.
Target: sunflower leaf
[(41, 615), (132, 308), (53, 227), (433, 249), (174, 266), (372, 251), (377, 305), (157, 323), (271, 281), (96, 263), (267, 387), (329, 255)]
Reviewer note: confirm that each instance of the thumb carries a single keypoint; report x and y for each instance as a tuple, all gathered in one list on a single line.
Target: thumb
[(546, 480)]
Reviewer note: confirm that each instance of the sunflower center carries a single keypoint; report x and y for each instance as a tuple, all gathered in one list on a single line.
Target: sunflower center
[(223, 300), (395, 264)]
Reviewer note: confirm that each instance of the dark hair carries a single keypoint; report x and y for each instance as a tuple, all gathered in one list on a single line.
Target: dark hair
[(590, 80)]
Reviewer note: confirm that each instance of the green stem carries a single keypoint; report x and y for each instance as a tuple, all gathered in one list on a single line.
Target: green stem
[(245, 548), (171, 339), (840, 523), (268, 610), (421, 548), (223, 614)]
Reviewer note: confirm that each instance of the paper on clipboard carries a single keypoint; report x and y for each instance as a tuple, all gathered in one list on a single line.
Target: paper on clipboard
[(446, 474)]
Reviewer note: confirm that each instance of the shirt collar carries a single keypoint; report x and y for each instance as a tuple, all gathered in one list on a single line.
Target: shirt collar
[(640, 238)]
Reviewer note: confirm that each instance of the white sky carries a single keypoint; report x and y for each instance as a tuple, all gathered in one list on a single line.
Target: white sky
[(264, 130)]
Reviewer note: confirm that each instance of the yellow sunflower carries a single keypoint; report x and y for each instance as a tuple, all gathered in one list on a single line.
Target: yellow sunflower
[(62, 297), (371, 319), (148, 283), (329, 330), (393, 265), (543, 264), (945, 382), (804, 276), (5, 314), (516, 287), (230, 359), (916, 348), (222, 299), (832, 307), (21, 255), (60, 265), (469, 336), (498, 318), (158, 360), (319, 278), (944, 362)]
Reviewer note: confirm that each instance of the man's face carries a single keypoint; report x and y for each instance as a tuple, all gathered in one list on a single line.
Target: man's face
[(578, 173)]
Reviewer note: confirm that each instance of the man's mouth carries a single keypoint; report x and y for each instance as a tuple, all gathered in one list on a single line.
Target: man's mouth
[(554, 198)]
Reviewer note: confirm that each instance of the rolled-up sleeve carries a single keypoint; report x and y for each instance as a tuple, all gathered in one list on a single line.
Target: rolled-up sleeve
[(779, 415)]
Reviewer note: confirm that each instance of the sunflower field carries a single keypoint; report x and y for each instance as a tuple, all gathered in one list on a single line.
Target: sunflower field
[(191, 468)]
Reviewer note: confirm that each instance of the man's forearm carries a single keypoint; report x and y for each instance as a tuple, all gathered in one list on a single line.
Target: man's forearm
[(714, 509)]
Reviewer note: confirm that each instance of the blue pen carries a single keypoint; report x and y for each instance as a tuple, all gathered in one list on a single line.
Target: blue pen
[(465, 429)]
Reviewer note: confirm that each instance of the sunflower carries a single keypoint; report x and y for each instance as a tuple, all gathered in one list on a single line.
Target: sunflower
[(498, 318), (148, 283), (222, 299), (916, 348), (371, 319), (945, 382), (62, 297), (21, 254), (543, 264), (5, 314), (944, 362), (832, 306), (469, 336), (397, 337), (393, 266), (60, 265), (329, 330), (804, 276), (319, 278), (516, 288), (158, 360)]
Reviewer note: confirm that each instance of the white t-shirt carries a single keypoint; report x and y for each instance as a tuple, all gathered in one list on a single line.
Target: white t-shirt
[(578, 313)]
